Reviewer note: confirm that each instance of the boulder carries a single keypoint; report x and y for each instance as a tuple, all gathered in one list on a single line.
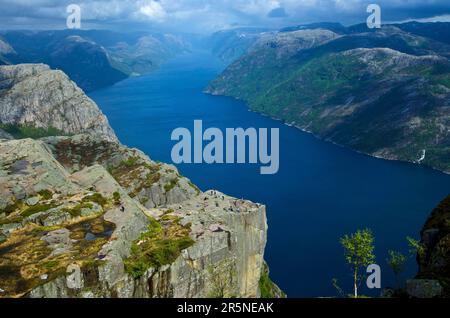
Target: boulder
[(423, 288)]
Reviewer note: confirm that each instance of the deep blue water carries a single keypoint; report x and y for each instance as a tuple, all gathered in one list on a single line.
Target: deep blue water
[(321, 192)]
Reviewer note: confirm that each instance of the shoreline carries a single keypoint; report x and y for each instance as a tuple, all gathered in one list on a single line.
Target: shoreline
[(293, 125)]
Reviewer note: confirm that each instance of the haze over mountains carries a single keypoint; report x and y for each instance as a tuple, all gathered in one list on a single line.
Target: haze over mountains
[(93, 59)]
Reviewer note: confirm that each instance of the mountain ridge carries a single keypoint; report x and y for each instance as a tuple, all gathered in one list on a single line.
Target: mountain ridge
[(349, 91), (85, 54)]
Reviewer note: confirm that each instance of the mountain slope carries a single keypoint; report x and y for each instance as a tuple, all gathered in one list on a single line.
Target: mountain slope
[(85, 62), (439, 31), (229, 45), (384, 93)]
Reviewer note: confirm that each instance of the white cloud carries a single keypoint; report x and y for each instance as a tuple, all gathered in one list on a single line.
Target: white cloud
[(438, 18), (153, 11)]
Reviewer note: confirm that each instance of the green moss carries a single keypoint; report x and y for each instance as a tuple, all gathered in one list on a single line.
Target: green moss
[(172, 184), (130, 162), (45, 229), (116, 198), (11, 208), (50, 264), (37, 209), (26, 131), (96, 198), (151, 179), (135, 174), (24, 257), (157, 247), (17, 219), (76, 210), (46, 194), (194, 187)]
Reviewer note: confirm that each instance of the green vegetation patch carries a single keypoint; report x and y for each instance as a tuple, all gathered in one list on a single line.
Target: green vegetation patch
[(45, 194), (193, 186), (160, 245), (85, 152), (87, 203), (96, 198), (11, 208), (26, 131), (171, 184), (135, 174), (25, 257), (116, 198), (76, 210), (37, 209), (267, 287)]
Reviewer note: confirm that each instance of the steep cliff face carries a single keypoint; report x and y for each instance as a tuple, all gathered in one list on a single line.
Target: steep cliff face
[(34, 95), (83, 216), (77, 232)]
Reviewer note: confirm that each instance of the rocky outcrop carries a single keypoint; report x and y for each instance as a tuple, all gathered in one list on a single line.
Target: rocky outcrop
[(433, 255), (34, 95), (286, 44), (72, 224)]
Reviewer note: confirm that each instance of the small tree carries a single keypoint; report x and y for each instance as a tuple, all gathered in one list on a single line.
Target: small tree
[(338, 288), (359, 254), (415, 247), (397, 263)]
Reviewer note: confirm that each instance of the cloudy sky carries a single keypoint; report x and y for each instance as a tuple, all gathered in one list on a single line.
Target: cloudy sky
[(209, 15)]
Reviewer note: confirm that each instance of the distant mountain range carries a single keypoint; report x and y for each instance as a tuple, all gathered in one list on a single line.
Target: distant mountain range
[(383, 92), (93, 59)]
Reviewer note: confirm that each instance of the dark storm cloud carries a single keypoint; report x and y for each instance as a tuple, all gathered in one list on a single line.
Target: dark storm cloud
[(208, 15)]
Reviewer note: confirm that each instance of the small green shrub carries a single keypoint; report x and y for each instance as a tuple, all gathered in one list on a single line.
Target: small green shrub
[(172, 184), (96, 198), (116, 197), (130, 162), (157, 247), (76, 210), (267, 287), (11, 208), (46, 194), (50, 264)]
